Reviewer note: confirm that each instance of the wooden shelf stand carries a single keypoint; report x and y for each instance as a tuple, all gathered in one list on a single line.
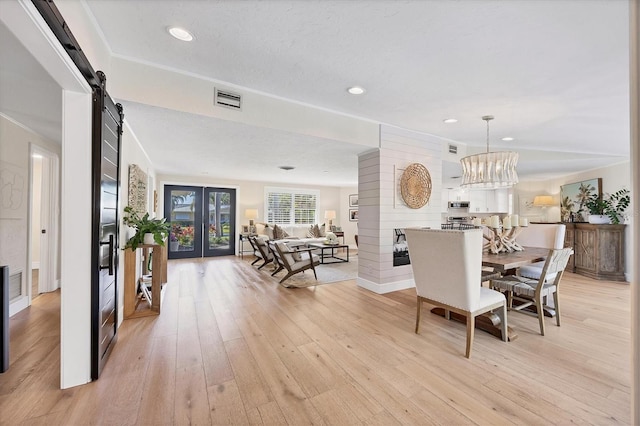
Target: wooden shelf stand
[(131, 276)]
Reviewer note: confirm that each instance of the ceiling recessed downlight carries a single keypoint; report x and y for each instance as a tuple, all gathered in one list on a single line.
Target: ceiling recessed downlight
[(449, 120), (287, 168), (507, 139), (180, 33), (355, 90)]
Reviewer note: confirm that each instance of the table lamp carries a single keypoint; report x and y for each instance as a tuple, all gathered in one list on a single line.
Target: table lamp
[(543, 201), (251, 214), (330, 214)]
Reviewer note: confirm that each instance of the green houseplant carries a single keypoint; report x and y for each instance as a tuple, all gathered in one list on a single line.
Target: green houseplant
[(612, 206), (159, 228)]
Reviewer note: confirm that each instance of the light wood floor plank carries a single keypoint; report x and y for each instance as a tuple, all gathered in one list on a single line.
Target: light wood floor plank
[(232, 346)]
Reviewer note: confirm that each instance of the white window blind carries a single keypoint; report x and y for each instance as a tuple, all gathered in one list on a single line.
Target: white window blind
[(291, 207)]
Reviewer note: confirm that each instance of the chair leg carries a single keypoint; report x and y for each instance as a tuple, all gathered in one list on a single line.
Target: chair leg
[(510, 299), (471, 327), (314, 271), (503, 322), (557, 306), (278, 269), (540, 314), (447, 314), (286, 276), (265, 263), (419, 305), (256, 261)]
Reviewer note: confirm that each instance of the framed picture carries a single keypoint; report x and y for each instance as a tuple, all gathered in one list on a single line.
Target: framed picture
[(573, 199), (353, 215), (245, 229), (353, 200)]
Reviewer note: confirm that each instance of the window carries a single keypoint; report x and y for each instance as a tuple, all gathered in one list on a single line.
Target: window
[(291, 206)]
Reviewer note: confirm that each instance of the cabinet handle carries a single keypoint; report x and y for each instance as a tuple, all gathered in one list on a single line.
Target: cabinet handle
[(110, 244)]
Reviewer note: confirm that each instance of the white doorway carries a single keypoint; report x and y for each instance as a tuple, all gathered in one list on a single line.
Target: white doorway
[(43, 210)]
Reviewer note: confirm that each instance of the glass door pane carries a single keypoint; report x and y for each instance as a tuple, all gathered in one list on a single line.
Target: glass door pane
[(183, 208), (219, 221)]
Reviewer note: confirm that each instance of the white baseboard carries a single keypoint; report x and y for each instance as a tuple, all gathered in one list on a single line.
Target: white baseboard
[(386, 287)]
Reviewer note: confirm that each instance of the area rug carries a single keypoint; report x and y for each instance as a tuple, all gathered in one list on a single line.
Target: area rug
[(327, 273)]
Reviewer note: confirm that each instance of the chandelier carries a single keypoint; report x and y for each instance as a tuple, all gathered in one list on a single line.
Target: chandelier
[(491, 169)]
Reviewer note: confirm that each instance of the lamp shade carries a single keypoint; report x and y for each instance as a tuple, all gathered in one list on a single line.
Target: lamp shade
[(490, 169), (543, 201), (330, 214), (251, 213)]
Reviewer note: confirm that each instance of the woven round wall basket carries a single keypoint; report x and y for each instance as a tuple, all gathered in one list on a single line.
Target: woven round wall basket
[(415, 185)]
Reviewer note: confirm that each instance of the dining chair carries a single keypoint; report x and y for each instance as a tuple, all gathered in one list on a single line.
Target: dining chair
[(535, 292), (549, 236), (447, 268)]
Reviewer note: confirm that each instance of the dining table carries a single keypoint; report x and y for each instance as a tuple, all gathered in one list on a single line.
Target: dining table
[(504, 263)]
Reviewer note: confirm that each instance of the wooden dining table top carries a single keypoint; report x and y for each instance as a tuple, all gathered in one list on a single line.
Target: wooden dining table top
[(505, 261)]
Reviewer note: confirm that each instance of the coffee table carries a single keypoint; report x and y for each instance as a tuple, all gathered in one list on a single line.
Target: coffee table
[(324, 256)]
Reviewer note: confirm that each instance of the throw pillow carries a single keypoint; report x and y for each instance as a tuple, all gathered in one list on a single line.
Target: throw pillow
[(315, 231), (322, 233), (269, 231), (310, 232), (279, 233)]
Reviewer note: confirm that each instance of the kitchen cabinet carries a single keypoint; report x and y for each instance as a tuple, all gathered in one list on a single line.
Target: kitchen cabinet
[(478, 201), (489, 201)]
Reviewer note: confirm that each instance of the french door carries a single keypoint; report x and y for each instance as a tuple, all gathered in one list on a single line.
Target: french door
[(202, 221)]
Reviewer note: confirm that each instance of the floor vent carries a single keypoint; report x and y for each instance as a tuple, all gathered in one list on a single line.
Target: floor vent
[(15, 286), (228, 99), (453, 149)]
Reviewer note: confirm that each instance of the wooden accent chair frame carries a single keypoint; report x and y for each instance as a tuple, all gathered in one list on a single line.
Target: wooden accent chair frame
[(447, 267), (293, 261), (531, 291), (261, 251)]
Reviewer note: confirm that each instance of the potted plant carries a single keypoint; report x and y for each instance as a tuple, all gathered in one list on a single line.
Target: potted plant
[(158, 229), (609, 208)]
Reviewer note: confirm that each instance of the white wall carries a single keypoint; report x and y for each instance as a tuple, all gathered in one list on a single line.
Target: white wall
[(250, 195), (613, 178), (381, 208), (14, 152), (131, 152)]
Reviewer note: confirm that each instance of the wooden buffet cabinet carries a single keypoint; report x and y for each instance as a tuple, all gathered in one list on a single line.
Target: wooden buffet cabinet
[(598, 250), (131, 276)]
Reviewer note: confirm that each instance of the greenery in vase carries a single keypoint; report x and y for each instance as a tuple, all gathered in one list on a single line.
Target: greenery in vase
[(612, 205), (144, 225)]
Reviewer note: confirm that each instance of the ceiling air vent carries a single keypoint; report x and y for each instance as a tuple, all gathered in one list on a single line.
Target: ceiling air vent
[(453, 149), (228, 99)]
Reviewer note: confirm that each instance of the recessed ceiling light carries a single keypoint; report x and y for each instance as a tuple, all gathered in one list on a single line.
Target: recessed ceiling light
[(507, 138), (450, 120), (355, 90), (287, 168), (180, 33)]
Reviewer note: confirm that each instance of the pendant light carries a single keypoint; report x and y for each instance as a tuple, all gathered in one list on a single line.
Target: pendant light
[(491, 169)]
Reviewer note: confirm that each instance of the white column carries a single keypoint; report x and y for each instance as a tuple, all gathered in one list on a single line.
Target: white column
[(75, 265), (634, 95)]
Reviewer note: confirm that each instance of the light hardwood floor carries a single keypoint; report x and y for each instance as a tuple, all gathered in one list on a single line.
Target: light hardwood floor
[(234, 347)]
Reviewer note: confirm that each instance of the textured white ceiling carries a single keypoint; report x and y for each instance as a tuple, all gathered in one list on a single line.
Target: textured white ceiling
[(28, 94), (553, 73)]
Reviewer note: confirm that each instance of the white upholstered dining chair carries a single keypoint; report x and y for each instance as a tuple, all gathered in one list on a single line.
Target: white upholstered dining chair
[(447, 269)]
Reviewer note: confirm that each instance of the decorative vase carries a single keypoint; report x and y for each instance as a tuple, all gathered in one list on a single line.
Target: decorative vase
[(173, 246), (148, 238), (599, 219)]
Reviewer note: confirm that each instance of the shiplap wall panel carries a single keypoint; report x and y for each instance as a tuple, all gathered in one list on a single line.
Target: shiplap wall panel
[(381, 208)]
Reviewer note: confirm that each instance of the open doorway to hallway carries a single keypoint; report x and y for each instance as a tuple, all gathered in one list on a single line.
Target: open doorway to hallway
[(43, 221)]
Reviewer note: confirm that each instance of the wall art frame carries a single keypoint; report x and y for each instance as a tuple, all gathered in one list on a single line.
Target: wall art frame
[(573, 199)]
